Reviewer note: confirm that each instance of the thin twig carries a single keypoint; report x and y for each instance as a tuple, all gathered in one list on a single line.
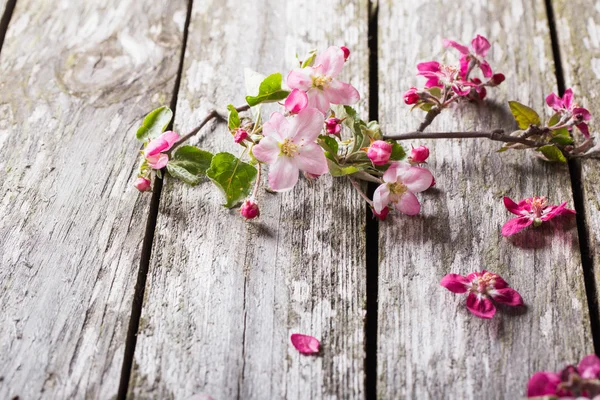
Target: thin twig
[(362, 194), (497, 135)]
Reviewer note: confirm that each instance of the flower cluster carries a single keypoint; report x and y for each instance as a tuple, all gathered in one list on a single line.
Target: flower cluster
[(581, 382)]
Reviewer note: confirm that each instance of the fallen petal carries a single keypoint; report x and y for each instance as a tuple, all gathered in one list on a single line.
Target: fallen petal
[(507, 296), (455, 283), (305, 344), (515, 225)]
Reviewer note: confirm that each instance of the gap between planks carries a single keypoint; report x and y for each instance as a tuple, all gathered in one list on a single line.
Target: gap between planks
[(6, 16)]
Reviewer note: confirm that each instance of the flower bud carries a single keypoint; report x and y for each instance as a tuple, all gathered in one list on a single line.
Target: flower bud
[(411, 96), (240, 135), (432, 182), (249, 209), (296, 101), (419, 154), (333, 126), (497, 79), (143, 184), (346, 52), (380, 152), (383, 214)]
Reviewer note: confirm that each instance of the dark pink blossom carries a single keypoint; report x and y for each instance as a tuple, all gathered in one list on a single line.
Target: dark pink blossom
[(496, 79), (411, 96), (419, 154), (296, 101), (533, 210), (333, 126), (440, 75), (379, 152), (581, 382), (249, 209), (305, 344), (568, 109), (240, 135), (479, 89), (346, 52), (482, 288), (476, 55)]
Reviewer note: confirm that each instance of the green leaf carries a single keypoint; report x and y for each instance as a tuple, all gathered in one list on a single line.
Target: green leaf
[(154, 123), (554, 119), (234, 118), (233, 176), (189, 164), (356, 126), (435, 91), (338, 170), (310, 59), (552, 153), (562, 136), (269, 91), (426, 107), (329, 144), (398, 152), (524, 115)]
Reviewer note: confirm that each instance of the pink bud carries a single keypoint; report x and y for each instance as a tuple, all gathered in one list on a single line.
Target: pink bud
[(383, 214), (143, 184), (249, 209), (380, 152), (296, 101), (419, 154), (346, 52), (432, 182), (497, 79), (332, 125), (411, 96), (240, 135)]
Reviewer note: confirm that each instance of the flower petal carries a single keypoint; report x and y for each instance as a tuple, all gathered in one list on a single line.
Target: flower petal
[(408, 204), (464, 65), (417, 179), (455, 283), (589, 367), (507, 296), (542, 384), (584, 129), (381, 198), (267, 150), (481, 307), (585, 114), (300, 78), (283, 174), (556, 211), (296, 101), (341, 93), (451, 43), (511, 206), (311, 159), (162, 143), (480, 46), (486, 69), (331, 61), (277, 127), (317, 99), (307, 126), (515, 225), (305, 344), (158, 161), (567, 98), (555, 102), (396, 170), (429, 66)]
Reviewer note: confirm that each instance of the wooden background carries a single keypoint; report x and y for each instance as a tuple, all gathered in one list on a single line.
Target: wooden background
[(105, 292)]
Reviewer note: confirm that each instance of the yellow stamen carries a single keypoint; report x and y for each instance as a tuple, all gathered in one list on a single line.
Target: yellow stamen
[(288, 148), (321, 81)]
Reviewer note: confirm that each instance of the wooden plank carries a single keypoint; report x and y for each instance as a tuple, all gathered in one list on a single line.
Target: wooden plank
[(223, 296), (430, 346), (76, 79), (579, 41)]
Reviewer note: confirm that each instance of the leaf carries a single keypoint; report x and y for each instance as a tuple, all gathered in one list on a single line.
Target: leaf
[(524, 115), (233, 176), (562, 136), (329, 144), (356, 126), (155, 123), (435, 91), (398, 152), (338, 170), (310, 59), (269, 91), (554, 119), (189, 164), (552, 153), (234, 118)]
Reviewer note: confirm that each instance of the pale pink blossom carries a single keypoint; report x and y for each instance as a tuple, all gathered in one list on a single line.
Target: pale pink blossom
[(379, 152), (143, 184), (439, 75), (333, 126), (401, 182), (567, 108), (482, 287), (581, 382), (154, 150), (305, 344), (419, 154), (249, 209), (320, 81), (533, 210), (289, 147), (296, 101), (476, 54), (240, 135)]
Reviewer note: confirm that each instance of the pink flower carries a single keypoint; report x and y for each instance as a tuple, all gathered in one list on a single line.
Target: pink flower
[(379, 152), (143, 184), (566, 107), (296, 101), (411, 96), (320, 81), (476, 54), (333, 126), (154, 150), (305, 344), (439, 75), (419, 154), (533, 210), (401, 182), (249, 209), (346, 52), (482, 287), (240, 135), (289, 146), (581, 381)]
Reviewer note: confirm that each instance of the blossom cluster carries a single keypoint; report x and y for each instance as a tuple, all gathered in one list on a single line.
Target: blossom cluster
[(581, 382)]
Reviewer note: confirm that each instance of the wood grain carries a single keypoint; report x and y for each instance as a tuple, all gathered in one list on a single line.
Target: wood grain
[(579, 42), (430, 346), (76, 78), (223, 295)]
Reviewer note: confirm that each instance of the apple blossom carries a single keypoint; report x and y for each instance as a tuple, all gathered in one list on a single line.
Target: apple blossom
[(296, 101), (482, 288), (533, 210), (305, 344), (401, 182), (568, 109), (380, 152), (582, 381), (476, 54), (154, 150), (419, 154), (249, 209), (240, 135), (411, 96), (320, 82), (333, 126), (383, 214), (289, 147), (143, 184), (440, 75)]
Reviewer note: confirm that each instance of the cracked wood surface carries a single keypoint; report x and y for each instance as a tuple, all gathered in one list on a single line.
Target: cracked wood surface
[(430, 346), (76, 78), (223, 295)]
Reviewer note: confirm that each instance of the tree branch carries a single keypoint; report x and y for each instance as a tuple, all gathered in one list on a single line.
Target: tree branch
[(429, 117), (497, 135)]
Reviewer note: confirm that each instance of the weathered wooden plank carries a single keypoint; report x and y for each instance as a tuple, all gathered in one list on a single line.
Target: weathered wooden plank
[(430, 346), (578, 29), (76, 78), (223, 296)]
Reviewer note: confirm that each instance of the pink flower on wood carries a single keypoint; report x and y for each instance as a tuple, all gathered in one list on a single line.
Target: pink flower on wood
[(320, 81), (154, 150), (305, 344), (566, 107), (482, 288), (289, 147), (533, 210), (581, 382), (440, 75), (296, 101), (401, 182), (476, 54)]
